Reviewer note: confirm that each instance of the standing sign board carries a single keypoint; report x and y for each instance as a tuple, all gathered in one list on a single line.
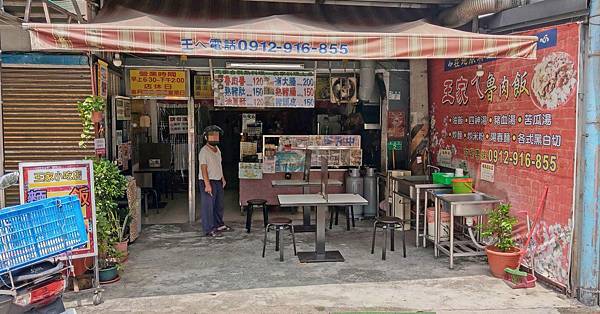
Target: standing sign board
[(41, 180), (514, 128), (157, 83), (256, 88)]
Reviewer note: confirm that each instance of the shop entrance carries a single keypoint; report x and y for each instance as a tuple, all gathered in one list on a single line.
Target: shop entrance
[(163, 168)]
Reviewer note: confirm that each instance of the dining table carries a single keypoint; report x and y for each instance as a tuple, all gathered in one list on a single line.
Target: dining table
[(322, 203), (306, 225)]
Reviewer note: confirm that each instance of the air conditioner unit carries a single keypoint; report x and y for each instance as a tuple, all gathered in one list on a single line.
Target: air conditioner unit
[(343, 90)]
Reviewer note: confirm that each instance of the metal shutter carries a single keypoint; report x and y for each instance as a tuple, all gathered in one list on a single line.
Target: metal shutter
[(40, 118)]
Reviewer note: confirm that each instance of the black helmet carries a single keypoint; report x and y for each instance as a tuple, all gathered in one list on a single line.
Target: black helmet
[(211, 129)]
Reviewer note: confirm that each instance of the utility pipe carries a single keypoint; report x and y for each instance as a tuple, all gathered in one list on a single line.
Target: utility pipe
[(468, 10), (589, 233)]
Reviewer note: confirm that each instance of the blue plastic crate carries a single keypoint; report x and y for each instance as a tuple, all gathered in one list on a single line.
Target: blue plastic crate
[(35, 231)]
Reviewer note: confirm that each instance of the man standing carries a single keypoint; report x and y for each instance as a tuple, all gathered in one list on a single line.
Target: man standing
[(212, 183)]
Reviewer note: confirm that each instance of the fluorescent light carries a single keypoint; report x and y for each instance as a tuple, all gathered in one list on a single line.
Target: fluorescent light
[(254, 66)]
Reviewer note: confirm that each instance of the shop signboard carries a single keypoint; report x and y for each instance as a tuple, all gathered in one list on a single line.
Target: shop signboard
[(203, 87), (514, 129), (102, 88), (270, 89), (41, 180), (157, 83), (178, 124)]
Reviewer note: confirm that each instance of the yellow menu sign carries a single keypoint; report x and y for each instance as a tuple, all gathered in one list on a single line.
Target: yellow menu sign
[(157, 83), (202, 87)]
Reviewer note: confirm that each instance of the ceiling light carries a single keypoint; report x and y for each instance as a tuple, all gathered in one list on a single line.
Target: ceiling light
[(117, 60), (263, 66)]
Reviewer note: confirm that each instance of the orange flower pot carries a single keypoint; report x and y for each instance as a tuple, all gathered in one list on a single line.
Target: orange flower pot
[(499, 260)]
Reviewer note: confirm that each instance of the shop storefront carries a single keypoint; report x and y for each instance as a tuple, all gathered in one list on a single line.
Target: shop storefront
[(494, 111)]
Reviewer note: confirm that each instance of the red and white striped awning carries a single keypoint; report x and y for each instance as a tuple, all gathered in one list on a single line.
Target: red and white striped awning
[(288, 36)]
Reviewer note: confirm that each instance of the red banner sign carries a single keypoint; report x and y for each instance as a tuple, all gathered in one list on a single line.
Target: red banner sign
[(512, 124)]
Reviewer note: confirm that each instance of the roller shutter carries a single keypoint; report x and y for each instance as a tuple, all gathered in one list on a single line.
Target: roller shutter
[(39, 112)]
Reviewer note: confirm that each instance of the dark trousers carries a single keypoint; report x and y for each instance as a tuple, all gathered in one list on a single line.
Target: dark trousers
[(211, 207)]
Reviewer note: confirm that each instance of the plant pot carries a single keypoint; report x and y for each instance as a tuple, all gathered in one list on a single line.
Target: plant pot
[(108, 274), (81, 265), (97, 116), (499, 260), (121, 247)]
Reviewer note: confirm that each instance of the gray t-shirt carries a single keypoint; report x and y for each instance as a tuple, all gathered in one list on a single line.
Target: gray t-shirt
[(213, 162)]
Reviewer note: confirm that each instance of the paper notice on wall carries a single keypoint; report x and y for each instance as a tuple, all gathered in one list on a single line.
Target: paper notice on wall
[(487, 172), (269, 165), (444, 157), (247, 149), (250, 170)]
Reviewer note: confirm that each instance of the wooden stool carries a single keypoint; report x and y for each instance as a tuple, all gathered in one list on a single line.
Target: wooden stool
[(385, 223), (279, 224)]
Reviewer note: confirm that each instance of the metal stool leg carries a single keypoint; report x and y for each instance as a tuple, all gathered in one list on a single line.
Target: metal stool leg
[(373, 239), (293, 239), (348, 218), (403, 241), (265, 241), (331, 218), (384, 248), (352, 213), (276, 239), (280, 245), (145, 204), (249, 211), (265, 215), (393, 227)]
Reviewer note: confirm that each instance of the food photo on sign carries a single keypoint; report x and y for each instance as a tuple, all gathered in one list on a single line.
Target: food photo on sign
[(512, 125)]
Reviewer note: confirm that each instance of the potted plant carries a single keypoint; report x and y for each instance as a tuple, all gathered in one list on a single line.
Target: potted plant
[(108, 255), (122, 239), (90, 111), (109, 186), (503, 252)]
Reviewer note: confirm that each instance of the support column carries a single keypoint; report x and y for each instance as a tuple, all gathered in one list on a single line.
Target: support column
[(419, 114), (589, 173)]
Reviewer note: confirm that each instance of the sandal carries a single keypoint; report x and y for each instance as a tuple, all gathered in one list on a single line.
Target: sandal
[(214, 234), (224, 228)]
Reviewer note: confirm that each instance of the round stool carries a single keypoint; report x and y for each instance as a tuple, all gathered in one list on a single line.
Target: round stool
[(278, 224), (391, 223), (250, 209)]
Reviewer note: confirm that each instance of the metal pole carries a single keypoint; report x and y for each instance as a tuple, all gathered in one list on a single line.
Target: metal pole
[(589, 236), (191, 161)]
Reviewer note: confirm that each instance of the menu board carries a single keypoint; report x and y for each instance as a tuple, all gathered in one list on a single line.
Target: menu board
[(256, 88), (514, 129)]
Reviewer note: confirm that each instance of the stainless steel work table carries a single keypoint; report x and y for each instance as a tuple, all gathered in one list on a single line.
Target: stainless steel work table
[(460, 205), (322, 204), (306, 225)]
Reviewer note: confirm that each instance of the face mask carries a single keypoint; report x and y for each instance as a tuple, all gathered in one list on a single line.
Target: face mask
[(213, 143)]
